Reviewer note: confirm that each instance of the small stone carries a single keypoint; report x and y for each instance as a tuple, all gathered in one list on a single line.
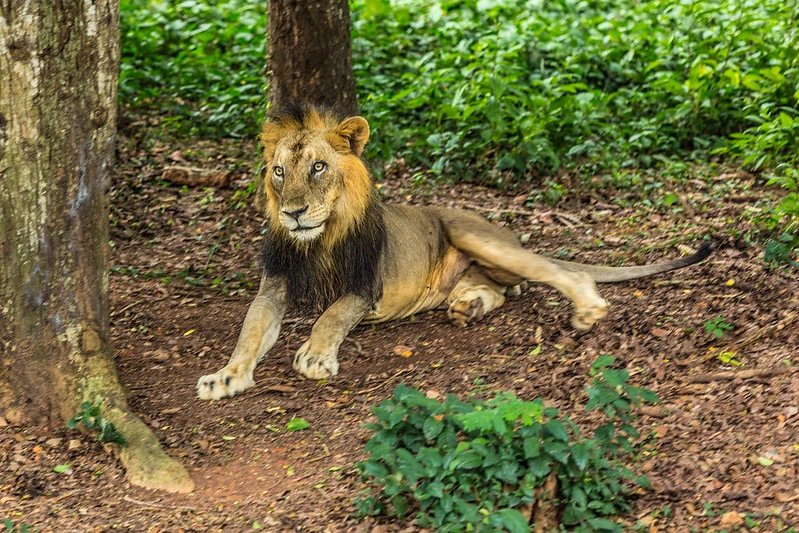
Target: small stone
[(54, 442), (14, 416), (774, 455), (160, 355), (74, 444), (403, 351)]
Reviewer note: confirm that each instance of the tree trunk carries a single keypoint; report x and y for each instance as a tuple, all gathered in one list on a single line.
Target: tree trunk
[(58, 86), (310, 57)]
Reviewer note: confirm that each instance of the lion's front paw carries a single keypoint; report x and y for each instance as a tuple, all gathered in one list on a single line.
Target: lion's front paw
[(226, 382), (314, 364), (585, 316)]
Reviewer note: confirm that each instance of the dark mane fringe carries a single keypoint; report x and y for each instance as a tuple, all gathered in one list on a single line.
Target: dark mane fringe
[(315, 278)]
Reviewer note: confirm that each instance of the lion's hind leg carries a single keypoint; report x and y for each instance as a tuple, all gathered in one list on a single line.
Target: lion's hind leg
[(506, 261), (474, 295), (579, 287)]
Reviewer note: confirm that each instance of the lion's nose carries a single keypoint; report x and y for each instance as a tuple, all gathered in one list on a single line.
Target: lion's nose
[(296, 213)]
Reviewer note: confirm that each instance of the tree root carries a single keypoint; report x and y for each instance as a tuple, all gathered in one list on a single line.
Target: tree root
[(146, 464), (545, 508)]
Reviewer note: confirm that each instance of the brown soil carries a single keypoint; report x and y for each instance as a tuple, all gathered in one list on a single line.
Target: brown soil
[(722, 454)]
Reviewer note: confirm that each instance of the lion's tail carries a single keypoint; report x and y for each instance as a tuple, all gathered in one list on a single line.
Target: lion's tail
[(606, 274)]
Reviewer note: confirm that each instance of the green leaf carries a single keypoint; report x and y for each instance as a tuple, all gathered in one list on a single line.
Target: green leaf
[(603, 361), (540, 466), (556, 428), (297, 424), (436, 489), (60, 469), (604, 524), (512, 520), (432, 428), (581, 453), (374, 469), (531, 447), (615, 378), (400, 505)]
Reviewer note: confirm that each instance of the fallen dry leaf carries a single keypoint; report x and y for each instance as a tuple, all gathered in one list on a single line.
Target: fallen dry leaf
[(732, 519)]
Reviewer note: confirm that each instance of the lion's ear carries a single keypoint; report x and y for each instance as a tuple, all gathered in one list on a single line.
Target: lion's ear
[(356, 131)]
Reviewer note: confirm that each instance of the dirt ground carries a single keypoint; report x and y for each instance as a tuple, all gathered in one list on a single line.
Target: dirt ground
[(722, 452)]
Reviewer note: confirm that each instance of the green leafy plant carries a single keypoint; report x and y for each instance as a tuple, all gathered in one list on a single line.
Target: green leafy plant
[(717, 327), (777, 252), (91, 417), (472, 465), (11, 527)]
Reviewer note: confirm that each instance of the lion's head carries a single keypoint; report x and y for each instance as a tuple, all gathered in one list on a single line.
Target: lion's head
[(326, 233), (317, 187)]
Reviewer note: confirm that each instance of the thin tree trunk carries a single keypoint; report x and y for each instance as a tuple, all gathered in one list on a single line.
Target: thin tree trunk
[(310, 57), (58, 86)]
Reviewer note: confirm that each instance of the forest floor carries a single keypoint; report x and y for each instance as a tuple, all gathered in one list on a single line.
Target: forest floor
[(722, 453)]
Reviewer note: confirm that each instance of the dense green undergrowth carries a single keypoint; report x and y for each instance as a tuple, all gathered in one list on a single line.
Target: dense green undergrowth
[(476, 465), (532, 86), (500, 91), (195, 65)]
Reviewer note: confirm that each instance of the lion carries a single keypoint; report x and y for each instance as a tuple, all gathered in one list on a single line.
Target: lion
[(332, 245)]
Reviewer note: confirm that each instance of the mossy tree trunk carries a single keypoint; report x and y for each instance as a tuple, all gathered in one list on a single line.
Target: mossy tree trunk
[(310, 58), (58, 86)]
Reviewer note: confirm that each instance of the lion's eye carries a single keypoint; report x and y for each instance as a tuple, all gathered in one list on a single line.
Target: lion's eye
[(278, 171), (319, 166)]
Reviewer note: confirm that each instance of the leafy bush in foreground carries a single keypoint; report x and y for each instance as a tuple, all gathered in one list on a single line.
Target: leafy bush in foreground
[(471, 465)]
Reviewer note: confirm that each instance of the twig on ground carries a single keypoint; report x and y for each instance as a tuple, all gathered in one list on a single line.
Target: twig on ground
[(736, 374), (196, 177), (569, 220), (157, 505), (689, 282), (298, 320), (386, 381), (506, 209)]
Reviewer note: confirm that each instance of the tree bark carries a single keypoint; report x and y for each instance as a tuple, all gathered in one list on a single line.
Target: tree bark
[(310, 58), (58, 85)]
